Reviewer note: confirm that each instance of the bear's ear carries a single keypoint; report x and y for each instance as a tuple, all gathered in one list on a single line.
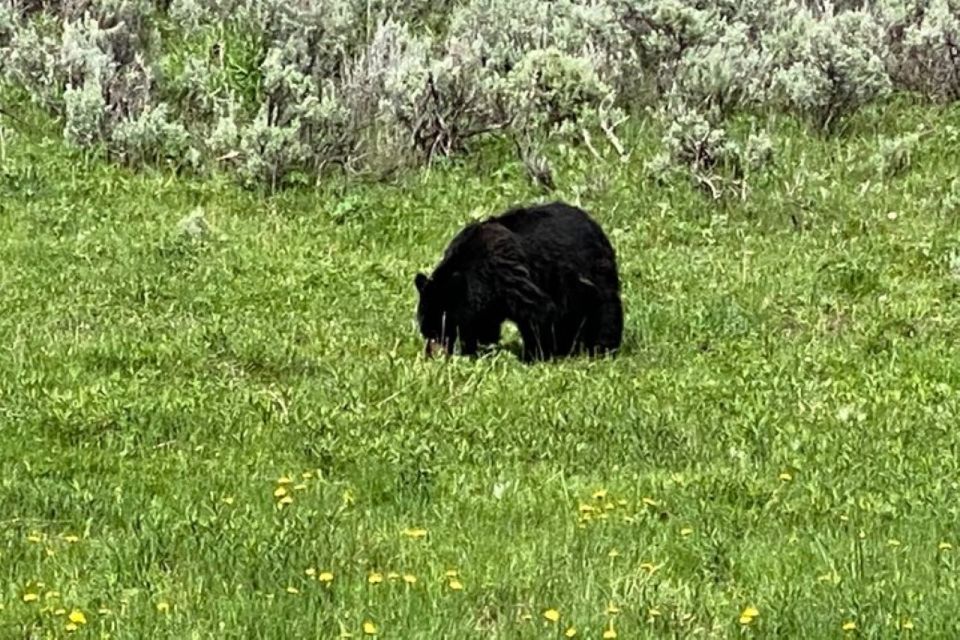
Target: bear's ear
[(420, 281)]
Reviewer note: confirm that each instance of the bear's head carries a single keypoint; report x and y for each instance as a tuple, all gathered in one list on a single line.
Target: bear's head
[(444, 312)]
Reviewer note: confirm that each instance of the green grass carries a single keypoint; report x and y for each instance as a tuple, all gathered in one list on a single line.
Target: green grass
[(154, 389)]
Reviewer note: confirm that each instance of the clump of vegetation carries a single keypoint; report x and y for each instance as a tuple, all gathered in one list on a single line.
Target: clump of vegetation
[(277, 93)]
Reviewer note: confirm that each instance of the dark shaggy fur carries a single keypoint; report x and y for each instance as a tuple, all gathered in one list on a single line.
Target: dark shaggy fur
[(548, 268)]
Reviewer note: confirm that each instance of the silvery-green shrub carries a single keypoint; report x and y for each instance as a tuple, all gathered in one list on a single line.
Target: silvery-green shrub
[(827, 66)]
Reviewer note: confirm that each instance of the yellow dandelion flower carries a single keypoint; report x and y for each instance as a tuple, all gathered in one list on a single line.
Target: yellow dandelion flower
[(51, 594), (393, 575), (279, 492), (610, 633), (944, 546), (76, 616), (686, 531), (311, 572), (586, 508), (369, 628), (71, 627), (409, 578), (30, 597), (863, 534), (612, 608), (613, 553), (843, 518), (650, 502), (163, 607), (299, 487), (552, 615), (325, 576), (415, 533), (286, 500), (785, 477), (456, 585), (71, 539), (750, 612), (849, 626), (570, 632), (228, 500), (906, 624), (284, 480), (293, 590), (599, 494), (375, 578), (451, 573), (306, 475)]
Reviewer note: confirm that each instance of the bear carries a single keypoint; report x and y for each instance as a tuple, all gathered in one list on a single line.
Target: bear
[(548, 268)]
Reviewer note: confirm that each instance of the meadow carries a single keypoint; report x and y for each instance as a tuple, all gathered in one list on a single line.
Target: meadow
[(218, 423)]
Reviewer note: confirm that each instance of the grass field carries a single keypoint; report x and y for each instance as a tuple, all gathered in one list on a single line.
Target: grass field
[(199, 433)]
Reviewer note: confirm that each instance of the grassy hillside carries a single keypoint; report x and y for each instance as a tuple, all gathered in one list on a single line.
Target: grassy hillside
[(779, 432)]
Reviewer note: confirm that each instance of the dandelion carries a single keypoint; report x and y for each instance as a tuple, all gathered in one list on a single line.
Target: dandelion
[(369, 628), (293, 590), (285, 500), (612, 609), (393, 575), (613, 553), (586, 509), (76, 616), (409, 578), (71, 627), (686, 531), (299, 487), (279, 492), (325, 576), (311, 572), (375, 578), (552, 615), (306, 475), (284, 480), (415, 534), (785, 477), (51, 594), (570, 632), (34, 537), (600, 494), (228, 500), (451, 573), (849, 626), (71, 539), (456, 585), (944, 546), (163, 607), (748, 614), (30, 597), (610, 633)]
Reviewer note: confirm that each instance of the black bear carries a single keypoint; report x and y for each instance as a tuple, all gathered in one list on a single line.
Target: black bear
[(548, 268)]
